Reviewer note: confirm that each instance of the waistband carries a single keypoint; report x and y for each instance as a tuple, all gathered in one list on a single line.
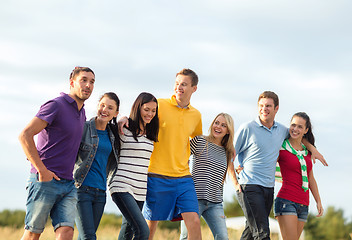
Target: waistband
[(36, 176), (82, 187), (166, 177)]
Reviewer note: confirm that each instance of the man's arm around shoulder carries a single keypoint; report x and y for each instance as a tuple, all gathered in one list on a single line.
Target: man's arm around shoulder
[(315, 153)]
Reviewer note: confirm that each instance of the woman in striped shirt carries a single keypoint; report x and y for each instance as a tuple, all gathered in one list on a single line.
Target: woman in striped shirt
[(211, 157), (129, 185)]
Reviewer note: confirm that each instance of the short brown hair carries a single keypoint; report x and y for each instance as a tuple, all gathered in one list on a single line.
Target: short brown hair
[(191, 73), (269, 94), (77, 70)]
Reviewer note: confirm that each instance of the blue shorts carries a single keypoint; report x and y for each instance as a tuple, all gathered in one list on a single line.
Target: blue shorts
[(287, 207), (57, 198), (168, 198)]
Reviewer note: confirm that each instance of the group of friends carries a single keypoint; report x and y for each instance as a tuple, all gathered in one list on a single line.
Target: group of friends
[(143, 160)]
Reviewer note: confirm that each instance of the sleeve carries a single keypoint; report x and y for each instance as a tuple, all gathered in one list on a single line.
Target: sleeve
[(198, 130), (241, 141), (194, 143), (123, 136), (278, 175), (86, 131), (48, 111), (279, 158)]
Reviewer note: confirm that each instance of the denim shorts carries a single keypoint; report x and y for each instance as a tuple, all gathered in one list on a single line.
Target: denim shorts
[(287, 207), (168, 198), (57, 198)]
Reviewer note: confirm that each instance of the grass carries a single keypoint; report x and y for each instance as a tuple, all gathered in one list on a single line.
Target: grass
[(109, 233)]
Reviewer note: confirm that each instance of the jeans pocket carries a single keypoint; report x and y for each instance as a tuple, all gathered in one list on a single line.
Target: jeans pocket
[(46, 182), (29, 184)]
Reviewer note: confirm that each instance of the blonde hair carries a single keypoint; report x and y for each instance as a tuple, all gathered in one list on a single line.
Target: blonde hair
[(227, 140)]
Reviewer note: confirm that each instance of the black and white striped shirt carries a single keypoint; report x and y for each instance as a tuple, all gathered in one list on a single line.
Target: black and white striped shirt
[(132, 168), (208, 169)]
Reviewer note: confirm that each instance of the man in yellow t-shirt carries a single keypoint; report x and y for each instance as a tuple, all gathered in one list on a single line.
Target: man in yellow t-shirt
[(171, 192)]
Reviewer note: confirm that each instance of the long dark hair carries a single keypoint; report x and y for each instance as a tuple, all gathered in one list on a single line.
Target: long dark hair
[(152, 128), (112, 124), (309, 135)]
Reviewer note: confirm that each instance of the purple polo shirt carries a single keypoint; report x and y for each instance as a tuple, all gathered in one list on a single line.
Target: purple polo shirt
[(58, 143)]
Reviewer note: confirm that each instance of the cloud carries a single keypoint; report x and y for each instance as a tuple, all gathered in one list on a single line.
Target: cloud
[(301, 50)]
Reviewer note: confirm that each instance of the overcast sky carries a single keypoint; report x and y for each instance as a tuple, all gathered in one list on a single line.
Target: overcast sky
[(302, 50)]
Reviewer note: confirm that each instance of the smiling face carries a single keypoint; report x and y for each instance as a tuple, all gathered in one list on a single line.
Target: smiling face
[(298, 128), (184, 89), (219, 128), (148, 111), (267, 111), (107, 109)]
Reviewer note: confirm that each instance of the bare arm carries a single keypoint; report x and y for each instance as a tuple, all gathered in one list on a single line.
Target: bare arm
[(26, 139), (121, 123), (315, 153), (232, 173), (313, 186)]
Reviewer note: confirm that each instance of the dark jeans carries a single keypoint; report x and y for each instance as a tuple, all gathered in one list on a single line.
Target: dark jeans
[(90, 208), (133, 222), (256, 202)]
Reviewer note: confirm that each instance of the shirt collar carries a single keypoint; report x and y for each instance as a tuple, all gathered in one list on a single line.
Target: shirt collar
[(70, 100), (257, 120), (174, 102)]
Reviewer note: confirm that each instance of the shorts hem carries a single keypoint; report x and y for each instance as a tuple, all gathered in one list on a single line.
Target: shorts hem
[(156, 218), (190, 211), (285, 213), (290, 213), (64, 224), (159, 219), (33, 230)]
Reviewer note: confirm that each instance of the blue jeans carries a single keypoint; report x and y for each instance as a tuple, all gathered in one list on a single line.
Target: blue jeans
[(90, 208), (256, 202), (133, 222), (57, 198), (213, 214)]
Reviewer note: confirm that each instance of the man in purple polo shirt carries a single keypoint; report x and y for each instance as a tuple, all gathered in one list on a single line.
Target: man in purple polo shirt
[(59, 125)]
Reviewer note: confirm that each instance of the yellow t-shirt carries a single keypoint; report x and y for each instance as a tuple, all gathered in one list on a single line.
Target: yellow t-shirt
[(176, 126)]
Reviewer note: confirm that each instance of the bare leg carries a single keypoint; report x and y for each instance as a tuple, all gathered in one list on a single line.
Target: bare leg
[(27, 235), (152, 228), (192, 222), (300, 228), (64, 233), (289, 227)]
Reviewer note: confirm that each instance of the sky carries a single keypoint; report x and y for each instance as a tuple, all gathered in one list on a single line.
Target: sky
[(302, 50)]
